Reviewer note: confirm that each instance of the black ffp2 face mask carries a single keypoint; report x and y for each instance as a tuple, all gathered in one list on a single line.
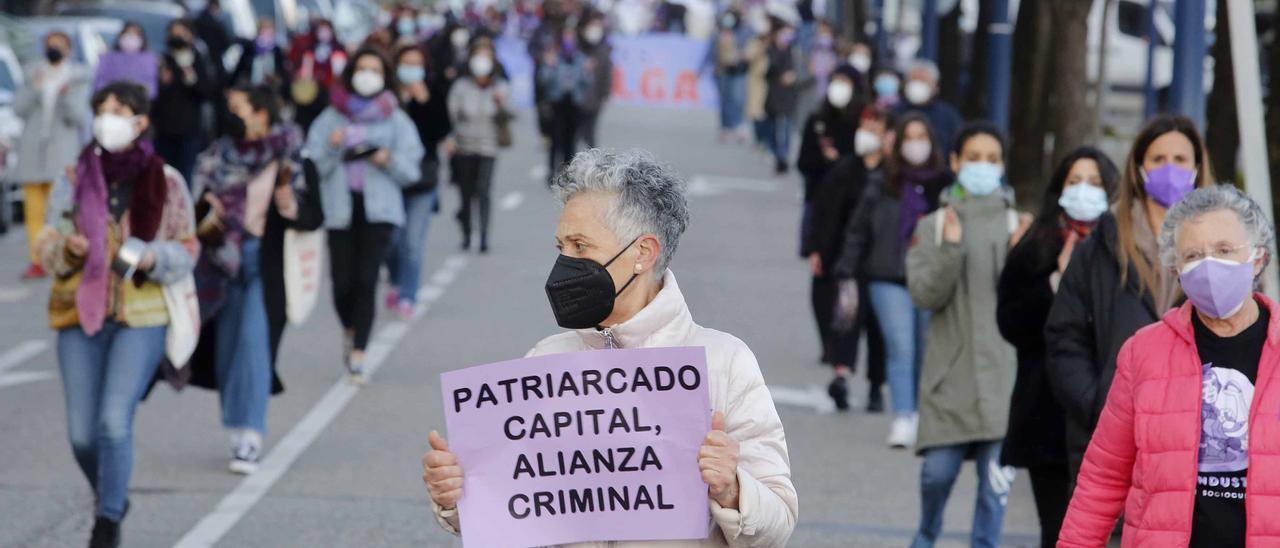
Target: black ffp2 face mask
[(581, 291)]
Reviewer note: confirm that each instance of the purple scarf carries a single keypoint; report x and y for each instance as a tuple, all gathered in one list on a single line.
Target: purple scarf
[(915, 200), (360, 111), (137, 166)]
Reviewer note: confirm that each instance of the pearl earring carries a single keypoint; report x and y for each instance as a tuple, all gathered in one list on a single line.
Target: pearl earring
[(639, 268)]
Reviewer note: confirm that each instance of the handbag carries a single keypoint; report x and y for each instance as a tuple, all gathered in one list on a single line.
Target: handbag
[(303, 251), (503, 122), (846, 306), (183, 332)]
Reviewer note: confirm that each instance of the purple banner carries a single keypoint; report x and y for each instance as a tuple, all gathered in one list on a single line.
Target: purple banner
[(585, 446)]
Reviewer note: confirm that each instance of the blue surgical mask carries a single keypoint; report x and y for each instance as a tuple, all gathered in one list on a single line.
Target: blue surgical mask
[(406, 26), (886, 86), (1083, 202), (980, 178), (410, 74)]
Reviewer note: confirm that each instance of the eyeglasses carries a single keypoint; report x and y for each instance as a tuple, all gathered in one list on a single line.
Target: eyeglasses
[(1223, 251)]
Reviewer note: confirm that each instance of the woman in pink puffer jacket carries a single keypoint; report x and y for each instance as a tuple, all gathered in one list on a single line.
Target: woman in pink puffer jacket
[(1186, 445)]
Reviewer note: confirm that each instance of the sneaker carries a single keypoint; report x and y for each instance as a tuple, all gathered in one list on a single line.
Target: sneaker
[(902, 433), (404, 311), (875, 400), (355, 371), (393, 299), (106, 533), (839, 392), (34, 272), (245, 458)]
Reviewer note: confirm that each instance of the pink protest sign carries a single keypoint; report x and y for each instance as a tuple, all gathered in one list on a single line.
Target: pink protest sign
[(586, 446)]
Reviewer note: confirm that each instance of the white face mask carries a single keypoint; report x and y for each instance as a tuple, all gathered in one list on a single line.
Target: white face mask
[(459, 38), (918, 93), (916, 151), (114, 132), (1083, 202), (131, 43), (860, 62), (839, 93), (481, 66), (865, 142), (593, 34), (367, 82), (185, 58)]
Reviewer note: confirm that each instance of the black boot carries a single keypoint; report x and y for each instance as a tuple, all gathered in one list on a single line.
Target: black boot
[(839, 392), (875, 400), (484, 243), (106, 533)]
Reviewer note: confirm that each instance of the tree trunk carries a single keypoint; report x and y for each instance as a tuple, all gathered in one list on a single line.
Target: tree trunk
[(856, 20), (1028, 104), (1222, 131), (975, 99), (950, 56), (1074, 116)]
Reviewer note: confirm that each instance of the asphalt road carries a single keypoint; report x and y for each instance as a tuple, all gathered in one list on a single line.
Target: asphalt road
[(343, 463)]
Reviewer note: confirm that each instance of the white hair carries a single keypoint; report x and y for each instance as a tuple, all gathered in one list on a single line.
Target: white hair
[(927, 66), (1207, 200), (647, 197)]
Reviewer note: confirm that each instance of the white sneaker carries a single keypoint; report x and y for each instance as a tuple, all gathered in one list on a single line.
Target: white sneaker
[(245, 458), (902, 433)]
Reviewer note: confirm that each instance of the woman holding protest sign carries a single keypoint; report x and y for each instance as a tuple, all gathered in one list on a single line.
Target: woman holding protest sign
[(623, 217)]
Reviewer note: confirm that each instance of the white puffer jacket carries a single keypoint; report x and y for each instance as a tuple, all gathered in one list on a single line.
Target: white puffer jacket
[(767, 502)]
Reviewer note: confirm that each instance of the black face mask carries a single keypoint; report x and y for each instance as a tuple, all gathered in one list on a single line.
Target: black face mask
[(54, 55), (581, 290), (233, 125)]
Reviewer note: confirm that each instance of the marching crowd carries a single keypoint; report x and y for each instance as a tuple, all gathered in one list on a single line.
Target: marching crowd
[(1110, 344)]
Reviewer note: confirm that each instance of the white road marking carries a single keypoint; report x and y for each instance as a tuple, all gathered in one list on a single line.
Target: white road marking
[(711, 185), (240, 500), (13, 294), (511, 201), (20, 354), (22, 377), (813, 397), (538, 172)]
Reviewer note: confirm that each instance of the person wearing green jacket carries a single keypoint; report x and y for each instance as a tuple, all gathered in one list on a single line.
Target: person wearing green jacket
[(967, 376)]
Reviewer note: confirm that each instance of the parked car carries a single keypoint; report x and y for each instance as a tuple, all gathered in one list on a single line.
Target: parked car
[(153, 16), (90, 36), (11, 77)]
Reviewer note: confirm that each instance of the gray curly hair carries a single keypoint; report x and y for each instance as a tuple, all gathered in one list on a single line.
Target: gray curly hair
[(1213, 198), (648, 196)]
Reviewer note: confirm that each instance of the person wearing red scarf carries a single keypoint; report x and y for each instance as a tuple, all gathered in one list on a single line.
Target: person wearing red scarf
[(111, 328), (1079, 192)]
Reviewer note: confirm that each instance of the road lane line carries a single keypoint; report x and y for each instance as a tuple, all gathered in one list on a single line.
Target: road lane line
[(20, 354), (511, 201), (22, 377), (13, 294), (813, 397), (240, 500)]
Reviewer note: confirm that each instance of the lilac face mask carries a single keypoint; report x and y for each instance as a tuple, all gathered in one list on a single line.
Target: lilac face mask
[(1218, 287), (1168, 184)]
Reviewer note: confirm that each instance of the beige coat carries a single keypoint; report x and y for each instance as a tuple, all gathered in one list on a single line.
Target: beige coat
[(767, 507), (757, 54)]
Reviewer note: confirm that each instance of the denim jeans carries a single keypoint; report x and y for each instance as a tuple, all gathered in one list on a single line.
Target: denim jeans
[(409, 246), (242, 356), (733, 100), (103, 378), (904, 328), (780, 127), (938, 474)]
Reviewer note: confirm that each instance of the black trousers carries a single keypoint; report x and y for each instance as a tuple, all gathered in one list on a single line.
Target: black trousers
[(474, 178), (588, 130), (566, 120), (842, 348), (1050, 489), (355, 256)]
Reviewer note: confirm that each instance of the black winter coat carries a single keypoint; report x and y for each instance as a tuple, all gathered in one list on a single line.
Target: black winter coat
[(835, 199), (1093, 314), (176, 110), (1037, 423), (837, 128)]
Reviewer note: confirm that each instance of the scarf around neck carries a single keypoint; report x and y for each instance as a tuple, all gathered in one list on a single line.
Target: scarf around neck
[(138, 166)]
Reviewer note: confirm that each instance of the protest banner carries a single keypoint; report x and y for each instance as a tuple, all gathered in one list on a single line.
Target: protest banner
[(653, 70), (585, 446)]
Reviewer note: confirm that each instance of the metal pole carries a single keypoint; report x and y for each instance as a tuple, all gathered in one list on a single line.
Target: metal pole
[(999, 63), (1150, 101), (1186, 92), (1103, 79), (929, 31), (1249, 108), (882, 33)]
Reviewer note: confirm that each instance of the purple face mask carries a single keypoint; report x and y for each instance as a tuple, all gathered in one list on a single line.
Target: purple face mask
[(1168, 183), (1217, 287)]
